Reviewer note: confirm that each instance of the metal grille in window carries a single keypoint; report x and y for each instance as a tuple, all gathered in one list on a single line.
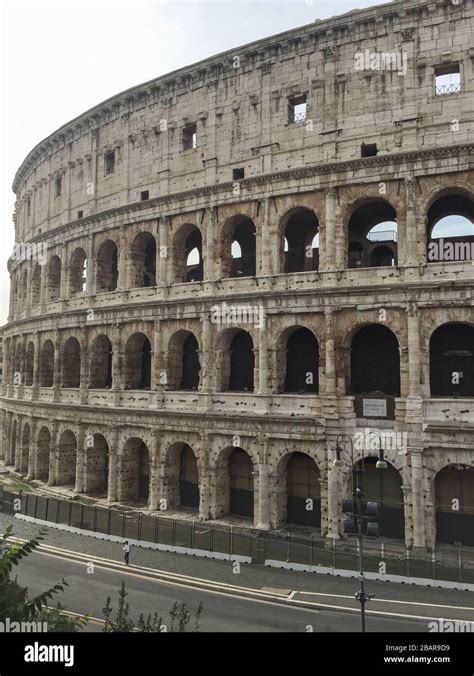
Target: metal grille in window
[(448, 89), (299, 117)]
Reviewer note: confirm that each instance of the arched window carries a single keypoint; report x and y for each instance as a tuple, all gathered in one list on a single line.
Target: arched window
[(454, 487), (384, 486), (375, 361), (143, 260), (47, 364), (303, 491), (54, 278), (71, 366), (241, 483), (67, 457), (302, 362), (242, 363), (29, 364), (138, 362), (452, 361), (77, 272), (238, 247), (42, 455), (187, 254), (107, 266), (101, 363), (302, 241), (450, 229), (96, 466), (372, 235), (36, 285), (134, 481)]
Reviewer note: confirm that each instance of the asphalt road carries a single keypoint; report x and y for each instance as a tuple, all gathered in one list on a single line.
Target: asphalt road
[(87, 593)]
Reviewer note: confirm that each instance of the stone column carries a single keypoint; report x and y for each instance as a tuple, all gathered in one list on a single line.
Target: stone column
[(418, 506), (414, 370), (80, 460), (164, 251), (263, 522), (84, 375), (2, 435), (269, 248), (154, 496), (328, 261), (36, 367), (57, 366), (263, 362), (112, 479), (91, 272), (333, 493), (18, 448), (415, 236), (204, 478), (210, 253), (33, 450), (53, 457), (330, 363), (207, 362)]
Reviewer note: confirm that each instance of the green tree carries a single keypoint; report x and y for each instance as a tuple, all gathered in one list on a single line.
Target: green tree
[(15, 602), (180, 617)]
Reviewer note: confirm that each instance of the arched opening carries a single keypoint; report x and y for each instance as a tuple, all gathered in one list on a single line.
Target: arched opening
[(71, 367), (47, 364), (385, 487), (138, 362), (134, 481), (25, 448), (101, 363), (96, 471), (183, 361), (302, 362), (67, 457), (182, 477), (241, 489), (107, 266), (454, 496), (54, 279), (242, 363), (29, 364), (450, 228), (13, 443), (36, 285), (369, 226), (452, 361), (143, 261), (375, 361), (42, 455), (77, 272), (18, 365), (303, 490), (239, 247), (301, 241), (187, 254), (24, 288)]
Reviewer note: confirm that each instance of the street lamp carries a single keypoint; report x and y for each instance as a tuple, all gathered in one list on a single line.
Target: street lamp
[(356, 508)]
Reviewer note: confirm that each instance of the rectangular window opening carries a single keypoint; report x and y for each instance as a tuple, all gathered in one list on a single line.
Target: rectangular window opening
[(145, 195), (368, 150), (80, 214), (109, 161), (447, 80), (238, 173), (297, 108), (189, 136), (57, 186)]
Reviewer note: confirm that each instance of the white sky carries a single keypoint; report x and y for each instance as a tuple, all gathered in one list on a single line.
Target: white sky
[(59, 59)]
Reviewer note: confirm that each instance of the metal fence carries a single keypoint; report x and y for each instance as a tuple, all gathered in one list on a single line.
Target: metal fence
[(444, 564)]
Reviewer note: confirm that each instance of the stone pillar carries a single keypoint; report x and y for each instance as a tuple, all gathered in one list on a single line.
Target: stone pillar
[(414, 369), (328, 261), (415, 236), (164, 251), (18, 447), (53, 457), (418, 504), (36, 367), (263, 522), (207, 360), (269, 248), (57, 366), (263, 362), (330, 363), (204, 478), (84, 376), (91, 272), (33, 450), (210, 253), (2, 435), (113, 469), (154, 495), (333, 493), (80, 460)]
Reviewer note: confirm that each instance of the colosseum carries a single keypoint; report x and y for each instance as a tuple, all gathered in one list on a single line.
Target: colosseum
[(231, 276)]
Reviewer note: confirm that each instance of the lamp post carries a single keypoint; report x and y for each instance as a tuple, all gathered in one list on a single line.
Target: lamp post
[(357, 498)]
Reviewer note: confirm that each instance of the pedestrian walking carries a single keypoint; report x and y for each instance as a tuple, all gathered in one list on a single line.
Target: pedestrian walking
[(126, 552)]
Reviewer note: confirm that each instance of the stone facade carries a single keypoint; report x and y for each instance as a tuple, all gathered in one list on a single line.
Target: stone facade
[(104, 383)]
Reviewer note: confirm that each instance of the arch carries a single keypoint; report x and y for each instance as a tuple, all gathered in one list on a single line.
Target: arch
[(96, 469), (47, 364), (234, 483), (454, 500), (241, 230), (36, 285), (71, 366), (385, 487), (54, 279), (137, 363), (371, 223), (107, 266), (77, 272), (452, 361), (25, 448), (100, 363), (67, 458), (183, 361), (43, 454), (300, 228), (375, 361), (187, 254), (13, 448), (182, 477), (24, 287), (29, 363), (299, 490), (134, 477), (302, 361), (242, 363), (143, 261)]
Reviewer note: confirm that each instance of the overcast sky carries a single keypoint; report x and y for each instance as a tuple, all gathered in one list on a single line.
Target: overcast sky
[(61, 58)]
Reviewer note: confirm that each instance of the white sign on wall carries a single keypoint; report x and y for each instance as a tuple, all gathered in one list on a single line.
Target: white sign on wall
[(374, 408)]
